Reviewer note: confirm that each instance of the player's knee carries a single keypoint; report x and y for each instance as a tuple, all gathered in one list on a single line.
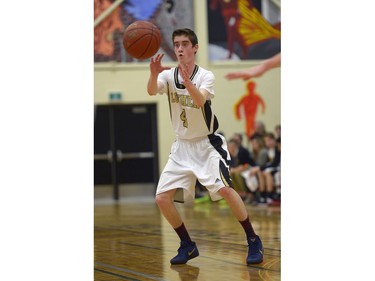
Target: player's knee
[(225, 192), (162, 199), (159, 199)]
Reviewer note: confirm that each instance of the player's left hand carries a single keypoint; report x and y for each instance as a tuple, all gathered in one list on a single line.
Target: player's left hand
[(184, 71)]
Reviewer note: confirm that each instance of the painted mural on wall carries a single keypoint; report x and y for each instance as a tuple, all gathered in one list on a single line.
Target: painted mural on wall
[(168, 15), (247, 107), (238, 31)]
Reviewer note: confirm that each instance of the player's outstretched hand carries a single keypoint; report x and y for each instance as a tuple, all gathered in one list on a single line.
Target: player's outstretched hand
[(155, 64)]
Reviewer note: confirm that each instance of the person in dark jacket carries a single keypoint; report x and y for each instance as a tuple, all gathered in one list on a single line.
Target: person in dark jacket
[(270, 168)]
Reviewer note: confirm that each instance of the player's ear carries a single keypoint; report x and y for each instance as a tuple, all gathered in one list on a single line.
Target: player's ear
[(195, 48)]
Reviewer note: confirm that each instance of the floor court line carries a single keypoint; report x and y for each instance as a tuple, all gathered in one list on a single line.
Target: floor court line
[(130, 271)]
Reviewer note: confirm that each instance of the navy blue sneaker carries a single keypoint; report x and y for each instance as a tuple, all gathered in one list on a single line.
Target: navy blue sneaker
[(255, 254), (187, 251)]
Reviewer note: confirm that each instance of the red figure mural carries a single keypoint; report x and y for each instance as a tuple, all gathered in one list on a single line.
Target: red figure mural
[(249, 104), (231, 15)]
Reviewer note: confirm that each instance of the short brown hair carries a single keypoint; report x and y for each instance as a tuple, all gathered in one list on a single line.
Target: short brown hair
[(188, 32)]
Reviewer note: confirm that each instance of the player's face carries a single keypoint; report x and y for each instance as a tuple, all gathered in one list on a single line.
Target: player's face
[(184, 50)]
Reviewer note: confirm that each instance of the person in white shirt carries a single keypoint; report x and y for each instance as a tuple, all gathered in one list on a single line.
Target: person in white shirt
[(199, 152)]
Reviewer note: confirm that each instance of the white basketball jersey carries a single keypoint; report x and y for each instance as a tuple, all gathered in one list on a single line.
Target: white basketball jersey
[(189, 121)]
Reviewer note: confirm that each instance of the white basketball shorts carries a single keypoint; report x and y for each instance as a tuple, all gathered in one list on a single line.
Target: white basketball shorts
[(206, 159)]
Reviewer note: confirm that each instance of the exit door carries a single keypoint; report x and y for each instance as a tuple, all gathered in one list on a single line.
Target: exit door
[(125, 145)]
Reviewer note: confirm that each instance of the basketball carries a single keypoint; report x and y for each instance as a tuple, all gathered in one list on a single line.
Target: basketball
[(142, 39)]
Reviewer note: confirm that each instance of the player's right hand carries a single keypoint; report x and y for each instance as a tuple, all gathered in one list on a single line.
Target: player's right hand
[(155, 64)]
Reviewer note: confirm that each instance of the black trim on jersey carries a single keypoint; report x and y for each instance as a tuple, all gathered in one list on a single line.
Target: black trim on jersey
[(177, 83), (207, 115), (216, 124), (169, 101)]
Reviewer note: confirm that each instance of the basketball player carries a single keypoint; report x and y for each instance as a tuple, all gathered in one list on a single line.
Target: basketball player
[(198, 151)]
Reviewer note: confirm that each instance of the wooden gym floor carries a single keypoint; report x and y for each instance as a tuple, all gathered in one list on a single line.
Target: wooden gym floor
[(133, 242)]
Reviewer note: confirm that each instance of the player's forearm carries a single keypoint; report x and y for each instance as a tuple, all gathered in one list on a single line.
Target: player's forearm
[(198, 97), (152, 85)]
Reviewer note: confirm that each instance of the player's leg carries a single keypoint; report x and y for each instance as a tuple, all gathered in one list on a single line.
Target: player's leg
[(187, 249), (165, 202), (255, 253), (235, 202), (214, 173)]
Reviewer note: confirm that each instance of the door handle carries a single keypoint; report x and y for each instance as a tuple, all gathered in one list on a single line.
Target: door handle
[(133, 155), (119, 155), (107, 156)]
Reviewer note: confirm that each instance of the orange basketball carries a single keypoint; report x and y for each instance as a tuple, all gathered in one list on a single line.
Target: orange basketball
[(142, 39)]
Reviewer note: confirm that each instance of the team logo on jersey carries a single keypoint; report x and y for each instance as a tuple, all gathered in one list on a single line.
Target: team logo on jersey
[(183, 100)]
